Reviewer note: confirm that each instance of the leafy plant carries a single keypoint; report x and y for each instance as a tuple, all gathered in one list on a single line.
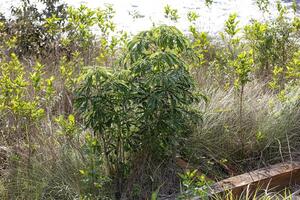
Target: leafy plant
[(164, 89), (243, 66), (194, 185), (171, 13), (230, 48), (146, 108), (103, 101), (29, 29), (263, 5)]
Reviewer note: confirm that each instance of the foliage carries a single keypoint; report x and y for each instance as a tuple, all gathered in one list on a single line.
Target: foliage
[(261, 42), (93, 177), (222, 68), (263, 5), (103, 100), (268, 125), (269, 42), (171, 13), (28, 29), (143, 109), (192, 16), (90, 112), (231, 25), (293, 68), (243, 66), (194, 185), (164, 87), (16, 107), (208, 2)]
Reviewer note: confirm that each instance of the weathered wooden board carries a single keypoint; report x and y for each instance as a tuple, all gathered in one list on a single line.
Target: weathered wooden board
[(274, 177)]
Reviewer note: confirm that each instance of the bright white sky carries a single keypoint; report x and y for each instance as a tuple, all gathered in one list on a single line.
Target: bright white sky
[(211, 19)]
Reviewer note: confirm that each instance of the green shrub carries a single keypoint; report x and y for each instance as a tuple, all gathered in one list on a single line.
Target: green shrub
[(146, 109)]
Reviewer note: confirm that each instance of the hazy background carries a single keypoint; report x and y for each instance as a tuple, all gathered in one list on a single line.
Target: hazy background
[(211, 19)]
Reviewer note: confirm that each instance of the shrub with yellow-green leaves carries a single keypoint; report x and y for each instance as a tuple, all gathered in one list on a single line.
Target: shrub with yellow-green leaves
[(23, 98)]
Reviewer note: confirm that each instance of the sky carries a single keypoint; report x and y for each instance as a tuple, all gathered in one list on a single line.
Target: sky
[(211, 18)]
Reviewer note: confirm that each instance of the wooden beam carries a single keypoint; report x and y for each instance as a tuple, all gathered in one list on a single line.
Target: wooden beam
[(275, 177)]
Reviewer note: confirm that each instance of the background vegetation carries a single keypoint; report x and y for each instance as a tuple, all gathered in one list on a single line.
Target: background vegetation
[(88, 111)]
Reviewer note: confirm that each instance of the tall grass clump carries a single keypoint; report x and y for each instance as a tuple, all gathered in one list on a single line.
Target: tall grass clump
[(270, 130), (58, 170)]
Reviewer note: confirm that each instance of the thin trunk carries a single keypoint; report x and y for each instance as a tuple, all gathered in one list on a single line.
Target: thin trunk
[(242, 137), (241, 105), (106, 156)]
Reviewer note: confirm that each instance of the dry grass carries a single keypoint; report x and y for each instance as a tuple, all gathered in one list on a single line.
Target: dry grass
[(269, 132), (53, 173)]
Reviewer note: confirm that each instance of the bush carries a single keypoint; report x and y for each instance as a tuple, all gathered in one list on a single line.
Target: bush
[(146, 109)]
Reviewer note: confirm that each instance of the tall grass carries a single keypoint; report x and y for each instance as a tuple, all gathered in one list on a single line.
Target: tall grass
[(270, 130), (257, 195), (53, 173)]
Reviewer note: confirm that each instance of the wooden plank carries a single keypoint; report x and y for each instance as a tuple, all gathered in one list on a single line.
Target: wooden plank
[(276, 177)]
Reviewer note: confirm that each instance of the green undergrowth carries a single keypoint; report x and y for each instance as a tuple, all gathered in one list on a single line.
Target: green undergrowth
[(89, 111)]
